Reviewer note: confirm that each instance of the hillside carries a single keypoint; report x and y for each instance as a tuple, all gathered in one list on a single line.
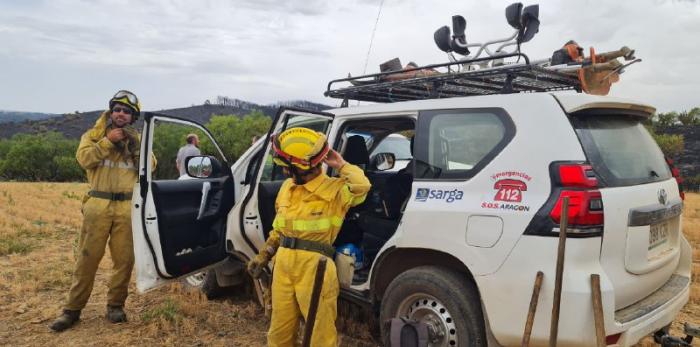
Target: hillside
[(74, 125), (16, 116)]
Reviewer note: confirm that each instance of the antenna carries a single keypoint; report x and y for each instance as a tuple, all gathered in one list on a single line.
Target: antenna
[(371, 40)]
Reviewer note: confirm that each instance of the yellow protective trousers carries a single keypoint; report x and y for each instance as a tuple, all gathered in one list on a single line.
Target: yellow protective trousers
[(292, 284), (104, 222), (315, 212)]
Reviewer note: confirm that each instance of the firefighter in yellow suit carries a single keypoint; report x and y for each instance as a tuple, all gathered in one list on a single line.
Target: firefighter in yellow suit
[(109, 154), (310, 210)]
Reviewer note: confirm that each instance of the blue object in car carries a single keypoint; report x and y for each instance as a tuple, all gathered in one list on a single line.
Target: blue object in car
[(354, 251)]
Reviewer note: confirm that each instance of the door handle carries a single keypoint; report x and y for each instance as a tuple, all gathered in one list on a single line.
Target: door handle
[(203, 203)]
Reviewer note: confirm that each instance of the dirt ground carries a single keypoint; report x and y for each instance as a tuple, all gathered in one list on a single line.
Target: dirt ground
[(39, 225)]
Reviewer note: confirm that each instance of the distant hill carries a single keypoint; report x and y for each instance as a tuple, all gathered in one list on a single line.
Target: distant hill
[(75, 124), (16, 116)]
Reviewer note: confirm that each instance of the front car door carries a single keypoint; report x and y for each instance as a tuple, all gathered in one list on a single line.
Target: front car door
[(178, 222), (257, 210)]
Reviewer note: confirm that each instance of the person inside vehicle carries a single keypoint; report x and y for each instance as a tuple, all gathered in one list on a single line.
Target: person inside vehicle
[(310, 209)]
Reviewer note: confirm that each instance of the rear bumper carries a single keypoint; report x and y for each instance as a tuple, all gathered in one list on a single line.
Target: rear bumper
[(657, 318), (506, 296)]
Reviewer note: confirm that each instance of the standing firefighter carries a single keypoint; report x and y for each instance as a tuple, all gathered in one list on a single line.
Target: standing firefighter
[(109, 154), (310, 210)]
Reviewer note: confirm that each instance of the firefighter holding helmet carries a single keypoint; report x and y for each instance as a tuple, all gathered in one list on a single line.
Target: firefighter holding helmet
[(310, 210), (109, 154)]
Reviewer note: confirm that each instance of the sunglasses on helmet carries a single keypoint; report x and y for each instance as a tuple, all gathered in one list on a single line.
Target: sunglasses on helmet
[(128, 95)]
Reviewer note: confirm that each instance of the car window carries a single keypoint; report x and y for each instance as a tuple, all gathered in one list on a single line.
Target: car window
[(270, 170), (621, 150), (168, 138), (397, 144), (455, 144)]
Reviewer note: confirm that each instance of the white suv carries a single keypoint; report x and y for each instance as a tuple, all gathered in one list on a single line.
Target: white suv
[(456, 238)]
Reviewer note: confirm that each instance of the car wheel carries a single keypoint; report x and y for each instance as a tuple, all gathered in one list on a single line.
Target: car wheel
[(426, 294), (204, 281)]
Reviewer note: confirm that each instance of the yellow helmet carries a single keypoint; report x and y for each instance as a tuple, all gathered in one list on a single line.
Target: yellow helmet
[(301, 147), (127, 98)]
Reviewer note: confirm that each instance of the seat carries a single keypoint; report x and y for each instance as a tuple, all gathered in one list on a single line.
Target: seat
[(356, 152)]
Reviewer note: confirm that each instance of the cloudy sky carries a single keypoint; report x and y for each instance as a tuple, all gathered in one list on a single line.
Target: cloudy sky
[(64, 55)]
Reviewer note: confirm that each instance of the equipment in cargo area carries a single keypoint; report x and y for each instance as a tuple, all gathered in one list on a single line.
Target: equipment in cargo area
[(492, 67)]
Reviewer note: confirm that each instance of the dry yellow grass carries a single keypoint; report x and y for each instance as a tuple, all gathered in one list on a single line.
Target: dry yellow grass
[(39, 224)]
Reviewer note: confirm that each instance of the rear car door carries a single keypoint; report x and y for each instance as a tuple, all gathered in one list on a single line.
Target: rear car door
[(642, 242), (178, 222)]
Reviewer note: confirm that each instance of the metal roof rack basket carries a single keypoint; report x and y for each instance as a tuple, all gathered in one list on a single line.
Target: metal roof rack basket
[(427, 83)]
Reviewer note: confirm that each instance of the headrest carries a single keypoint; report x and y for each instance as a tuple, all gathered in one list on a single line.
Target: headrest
[(356, 151)]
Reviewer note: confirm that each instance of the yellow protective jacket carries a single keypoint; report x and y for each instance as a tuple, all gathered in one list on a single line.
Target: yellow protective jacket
[(108, 168), (315, 211)]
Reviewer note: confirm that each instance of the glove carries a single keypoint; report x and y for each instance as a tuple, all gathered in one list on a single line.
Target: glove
[(257, 264)]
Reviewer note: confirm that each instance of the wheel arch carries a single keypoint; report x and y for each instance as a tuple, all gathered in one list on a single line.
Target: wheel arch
[(395, 261)]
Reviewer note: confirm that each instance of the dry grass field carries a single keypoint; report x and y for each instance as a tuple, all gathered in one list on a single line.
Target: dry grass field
[(39, 224)]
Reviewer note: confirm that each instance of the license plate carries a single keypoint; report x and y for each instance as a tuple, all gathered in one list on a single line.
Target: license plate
[(658, 235)]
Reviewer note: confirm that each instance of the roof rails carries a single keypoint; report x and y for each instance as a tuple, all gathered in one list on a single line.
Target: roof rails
[(424, 82)]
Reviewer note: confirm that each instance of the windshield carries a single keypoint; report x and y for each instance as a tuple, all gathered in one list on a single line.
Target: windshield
[(621, 150), (397, 144)]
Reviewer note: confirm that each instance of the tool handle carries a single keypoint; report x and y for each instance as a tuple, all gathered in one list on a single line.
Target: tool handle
[(563, 224), (599, 320), (313, 305), (533, 308)]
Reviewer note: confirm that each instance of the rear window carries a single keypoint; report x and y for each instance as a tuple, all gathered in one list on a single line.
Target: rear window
[(621, 150)]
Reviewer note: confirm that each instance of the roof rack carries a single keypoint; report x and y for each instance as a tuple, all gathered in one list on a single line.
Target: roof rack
[(498, 79)]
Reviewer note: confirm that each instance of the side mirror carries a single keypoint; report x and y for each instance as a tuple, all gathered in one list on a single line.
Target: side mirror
[(384, 161), (513, 12), (442, 39), (202, 166)]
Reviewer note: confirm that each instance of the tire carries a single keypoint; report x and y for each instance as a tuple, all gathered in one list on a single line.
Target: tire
[(205, 282), (427, 294)]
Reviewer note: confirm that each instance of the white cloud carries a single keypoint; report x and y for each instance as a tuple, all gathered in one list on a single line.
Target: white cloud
[(64, 55)]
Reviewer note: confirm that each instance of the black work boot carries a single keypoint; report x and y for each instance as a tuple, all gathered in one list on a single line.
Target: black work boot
[(115, 314), (65, 320)]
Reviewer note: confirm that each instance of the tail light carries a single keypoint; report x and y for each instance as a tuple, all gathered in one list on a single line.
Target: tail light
[(677, 175), (578, 182)]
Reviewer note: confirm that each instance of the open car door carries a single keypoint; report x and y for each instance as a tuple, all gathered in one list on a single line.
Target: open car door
[(257, 209), (178, 222)]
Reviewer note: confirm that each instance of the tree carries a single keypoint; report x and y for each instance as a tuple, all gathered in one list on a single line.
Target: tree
[(671, 145), (234, 134), (665, 119), (167, 140), (691, 117), (43, 157)]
